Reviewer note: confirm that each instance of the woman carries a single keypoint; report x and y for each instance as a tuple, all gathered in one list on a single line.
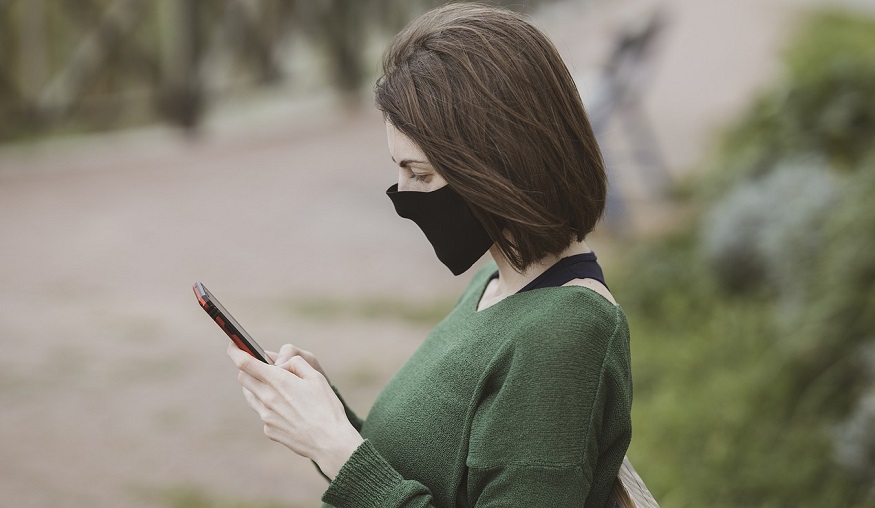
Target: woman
[(521, 397)]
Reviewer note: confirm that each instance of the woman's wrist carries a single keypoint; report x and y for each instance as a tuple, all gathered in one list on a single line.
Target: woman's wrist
[(336, 456)]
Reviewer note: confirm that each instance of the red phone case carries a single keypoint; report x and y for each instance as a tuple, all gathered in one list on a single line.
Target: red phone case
[(227, 323)]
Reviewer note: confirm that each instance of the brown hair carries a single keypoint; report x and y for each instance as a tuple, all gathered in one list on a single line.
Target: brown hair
[(487, 98)]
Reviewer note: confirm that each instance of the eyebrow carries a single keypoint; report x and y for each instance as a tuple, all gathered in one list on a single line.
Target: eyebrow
[(405, 162)]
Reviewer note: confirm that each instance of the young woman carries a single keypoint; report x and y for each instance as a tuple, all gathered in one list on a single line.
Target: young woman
[(521, 397)]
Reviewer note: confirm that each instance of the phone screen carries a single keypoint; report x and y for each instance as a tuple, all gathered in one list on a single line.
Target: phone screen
[(226, 322)]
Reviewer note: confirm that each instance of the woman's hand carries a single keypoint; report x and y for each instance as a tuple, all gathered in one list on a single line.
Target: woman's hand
[(288, 351), (298, 407)]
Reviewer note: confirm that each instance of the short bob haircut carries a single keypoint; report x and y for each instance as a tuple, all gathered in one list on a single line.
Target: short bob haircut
[(487, 98)]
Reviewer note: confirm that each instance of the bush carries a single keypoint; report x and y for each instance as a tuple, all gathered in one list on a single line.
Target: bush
[(752, 342), (713, 423), (825, 105), (768, 230)]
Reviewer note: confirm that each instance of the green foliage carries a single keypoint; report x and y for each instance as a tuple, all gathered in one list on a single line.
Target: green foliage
[(824, 106), (829, 36), (713, 422), (750, 242), (766, 396), (840, 312)]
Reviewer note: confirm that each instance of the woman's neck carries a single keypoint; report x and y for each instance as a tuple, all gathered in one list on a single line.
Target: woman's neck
[(510, 281)]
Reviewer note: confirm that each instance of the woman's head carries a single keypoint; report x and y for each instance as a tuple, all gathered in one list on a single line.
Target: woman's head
[(492, 106)]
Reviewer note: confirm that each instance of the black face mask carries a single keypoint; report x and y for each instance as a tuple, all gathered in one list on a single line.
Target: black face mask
[(457, 236)]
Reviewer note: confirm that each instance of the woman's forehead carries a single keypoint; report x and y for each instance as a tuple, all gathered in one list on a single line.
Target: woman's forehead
[(402, 147)]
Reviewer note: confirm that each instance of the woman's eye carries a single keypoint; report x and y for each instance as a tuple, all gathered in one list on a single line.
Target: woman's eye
[(421, 178)]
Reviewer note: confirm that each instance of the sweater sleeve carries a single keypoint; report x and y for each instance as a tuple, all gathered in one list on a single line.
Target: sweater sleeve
[(367, 480), (547, 426)]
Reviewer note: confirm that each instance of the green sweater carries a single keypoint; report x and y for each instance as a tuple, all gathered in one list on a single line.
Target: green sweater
[(523, 404)]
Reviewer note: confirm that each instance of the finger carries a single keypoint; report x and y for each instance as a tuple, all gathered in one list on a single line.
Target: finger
[(247, 363), (254, 385), (254, 402), (301, 368), (271, 394), (286, 352)]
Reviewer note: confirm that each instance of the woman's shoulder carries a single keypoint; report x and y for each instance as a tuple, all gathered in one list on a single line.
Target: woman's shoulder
[(575, 306), (573, 321)]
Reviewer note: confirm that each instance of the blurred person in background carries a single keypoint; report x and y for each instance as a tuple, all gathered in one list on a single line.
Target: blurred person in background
[(521, 396)]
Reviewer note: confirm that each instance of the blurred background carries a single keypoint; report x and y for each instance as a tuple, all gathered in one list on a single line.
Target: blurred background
[(145, 145)]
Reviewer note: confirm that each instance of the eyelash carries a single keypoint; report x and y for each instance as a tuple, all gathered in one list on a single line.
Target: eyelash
[(419, 178)]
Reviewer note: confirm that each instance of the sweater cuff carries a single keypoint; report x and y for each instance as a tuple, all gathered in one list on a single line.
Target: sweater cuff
[(365, 480)]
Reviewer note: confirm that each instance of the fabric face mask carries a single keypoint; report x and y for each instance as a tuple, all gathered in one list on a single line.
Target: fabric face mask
[(458, 238)]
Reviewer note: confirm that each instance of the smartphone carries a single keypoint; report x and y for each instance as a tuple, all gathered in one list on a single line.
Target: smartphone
[(227, 323)]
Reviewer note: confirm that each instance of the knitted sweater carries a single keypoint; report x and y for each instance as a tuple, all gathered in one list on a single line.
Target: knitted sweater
[(523, 404)]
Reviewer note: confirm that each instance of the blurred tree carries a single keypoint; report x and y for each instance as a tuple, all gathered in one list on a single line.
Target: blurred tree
[(103, 63), (823, 106), (181, 97), (339, 26), (12, 103)]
